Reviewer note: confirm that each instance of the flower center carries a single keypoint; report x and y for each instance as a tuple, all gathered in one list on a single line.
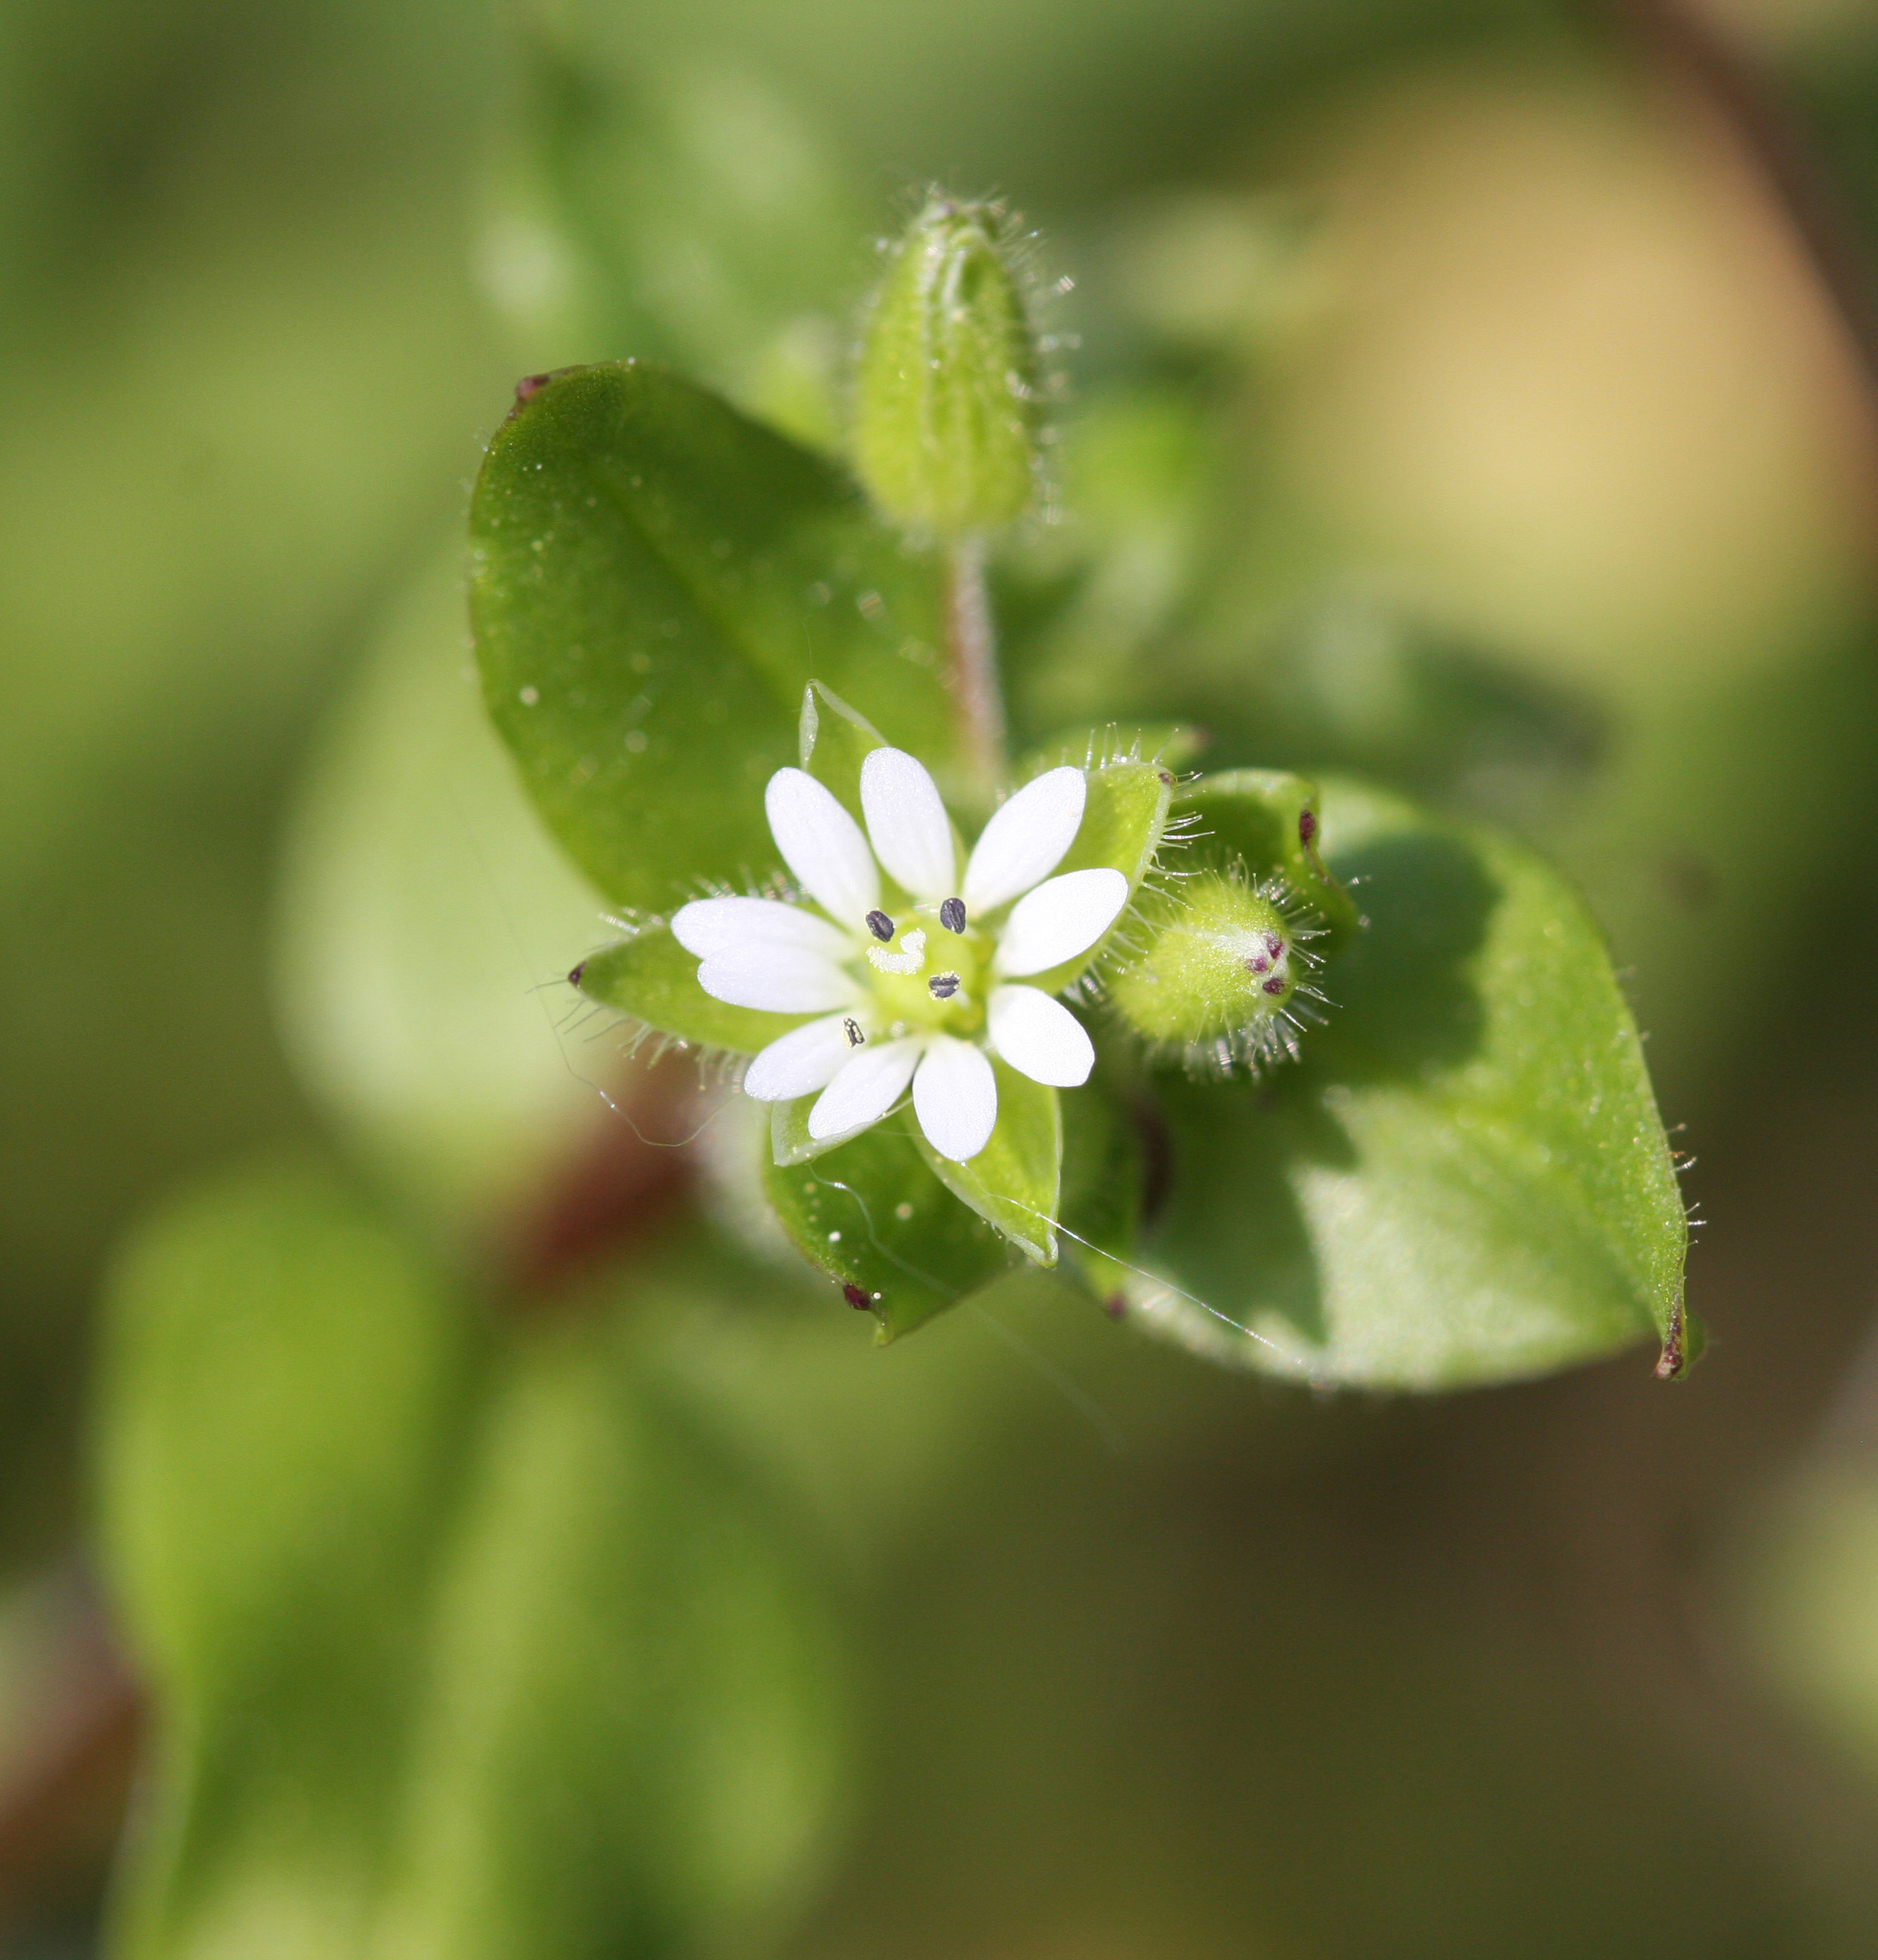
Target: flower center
[(924, 980)]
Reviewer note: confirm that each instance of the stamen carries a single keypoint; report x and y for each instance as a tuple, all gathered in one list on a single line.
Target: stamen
[(952, 915), (943, 986), (881, 926), (852, 1028)]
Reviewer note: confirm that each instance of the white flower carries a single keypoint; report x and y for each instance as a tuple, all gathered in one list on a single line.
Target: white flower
[(920, 998)]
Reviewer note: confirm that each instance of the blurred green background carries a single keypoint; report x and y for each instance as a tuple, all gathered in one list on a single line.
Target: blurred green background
[(1448, 393)]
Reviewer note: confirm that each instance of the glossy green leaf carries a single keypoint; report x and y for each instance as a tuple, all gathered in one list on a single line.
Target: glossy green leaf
[(1465, 1179), (634, 1731), (872, 1217), (652, 978), (285, 1388), (1014, 1182), (1270, 820), (655, 580)]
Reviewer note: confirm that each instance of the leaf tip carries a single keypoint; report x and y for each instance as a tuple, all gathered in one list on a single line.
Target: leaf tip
[(1682, 1345)]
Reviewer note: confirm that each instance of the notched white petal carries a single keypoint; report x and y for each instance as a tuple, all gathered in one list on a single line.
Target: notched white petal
[(912, 836), (1059, 920), (822, 845), (800, 1062), (1025, 840), (708, 927), (1039, 1037), (866, 1087), (955, 1097), (781, 980)]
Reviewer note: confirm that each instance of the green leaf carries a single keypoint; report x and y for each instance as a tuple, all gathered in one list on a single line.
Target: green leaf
[(872, 1217), (1465, 1179), (459, 1648), (1271, 819), (656, 580), (1013, 1181), (633, 1739), (653, 978), (284, 1402), (1123, 823)]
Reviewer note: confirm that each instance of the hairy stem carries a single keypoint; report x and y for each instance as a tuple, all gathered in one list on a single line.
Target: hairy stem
[(972, 648)]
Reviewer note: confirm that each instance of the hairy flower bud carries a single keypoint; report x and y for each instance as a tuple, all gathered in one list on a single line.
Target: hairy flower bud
[(1217, 977), (945, 408)]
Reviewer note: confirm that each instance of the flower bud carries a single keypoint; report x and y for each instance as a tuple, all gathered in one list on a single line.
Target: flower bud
[(946, 405), (1222, 962)]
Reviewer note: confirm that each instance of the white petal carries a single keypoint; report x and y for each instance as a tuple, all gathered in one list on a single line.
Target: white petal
[(708, 927), (800, 1062), (912, 836), (1026, 839), (783, 980), (1060, 919), (823, 845), (1039, 1037), (955, 1097), (868, 1086)]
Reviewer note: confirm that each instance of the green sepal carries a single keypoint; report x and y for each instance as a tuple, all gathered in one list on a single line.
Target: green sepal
[(1172, 744), (1014, 1182), (1122, 824), (832, 742), (790, 1141), (1271, 819), (655, 578), (653, 978), (871, 1215)]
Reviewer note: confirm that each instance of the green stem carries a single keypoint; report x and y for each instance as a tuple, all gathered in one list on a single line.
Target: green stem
[(972, 645)]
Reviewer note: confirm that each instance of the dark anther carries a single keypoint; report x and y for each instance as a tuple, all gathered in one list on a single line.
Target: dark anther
[(573, 978), (952, 915), (1115, 1306), (1276, 984), (527, 388), (943, 986), (1258, 964), (855, 1298), (852, 1028), (881, 926), (1273, 944), (1307, 826)]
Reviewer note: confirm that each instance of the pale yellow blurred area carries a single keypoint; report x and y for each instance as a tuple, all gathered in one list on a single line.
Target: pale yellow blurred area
[(1567, 383)]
